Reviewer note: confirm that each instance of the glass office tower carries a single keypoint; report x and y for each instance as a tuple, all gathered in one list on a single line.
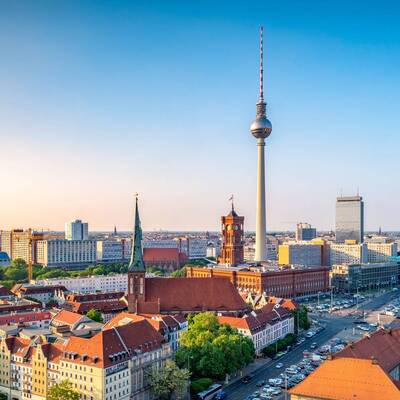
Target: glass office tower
[(350, 219)]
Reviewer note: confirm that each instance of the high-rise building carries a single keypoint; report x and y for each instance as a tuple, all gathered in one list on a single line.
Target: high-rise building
[(261, 128), (76, 230), (232, 239), (305, 231), (350, 219)]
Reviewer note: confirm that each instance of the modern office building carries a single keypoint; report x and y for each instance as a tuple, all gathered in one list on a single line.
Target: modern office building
[(66, 253), (305, 231), (305, 253), (353, 277), (348, 253), (77, 230), (349, 219)]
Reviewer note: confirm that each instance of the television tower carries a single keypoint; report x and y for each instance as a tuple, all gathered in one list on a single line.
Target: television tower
[(261, 128)]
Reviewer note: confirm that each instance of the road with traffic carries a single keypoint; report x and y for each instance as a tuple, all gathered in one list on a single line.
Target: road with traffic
[(334, 325)]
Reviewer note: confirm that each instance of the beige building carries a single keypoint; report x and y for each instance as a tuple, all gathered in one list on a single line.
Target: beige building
[(305, 253), (381, 252), (110, 365)]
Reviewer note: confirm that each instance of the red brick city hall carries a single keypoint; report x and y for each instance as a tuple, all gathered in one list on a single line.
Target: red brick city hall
[(288, 282)]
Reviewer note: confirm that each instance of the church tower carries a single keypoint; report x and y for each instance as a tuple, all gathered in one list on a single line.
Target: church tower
[(232, 239), (136, 269)]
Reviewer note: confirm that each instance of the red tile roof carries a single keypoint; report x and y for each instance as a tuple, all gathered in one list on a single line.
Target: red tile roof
[(257, 321), (194, 294), (161, 254), (383, 345), (65, 317), (104, 306), (348, 379), (111, 345), (24, 317), (5, 292), (78, 297)]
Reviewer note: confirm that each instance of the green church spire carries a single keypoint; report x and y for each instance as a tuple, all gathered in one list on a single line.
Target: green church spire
[(137, 263)]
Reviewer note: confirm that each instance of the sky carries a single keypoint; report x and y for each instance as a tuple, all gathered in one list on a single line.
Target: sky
[(103, 99)]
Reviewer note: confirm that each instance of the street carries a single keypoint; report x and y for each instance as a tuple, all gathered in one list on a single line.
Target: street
[(334, 325)]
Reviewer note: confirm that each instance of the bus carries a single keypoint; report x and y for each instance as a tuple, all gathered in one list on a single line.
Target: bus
[(210, 393)]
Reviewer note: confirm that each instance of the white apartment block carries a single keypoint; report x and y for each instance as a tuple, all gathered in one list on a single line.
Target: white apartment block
[(348, 253), (90, 284), (249, 251), (62, 252), (263, 328), (109, 250), (381, 252)]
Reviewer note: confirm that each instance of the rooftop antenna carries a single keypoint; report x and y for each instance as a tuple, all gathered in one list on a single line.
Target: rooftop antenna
[(261, 64), (231, 200)]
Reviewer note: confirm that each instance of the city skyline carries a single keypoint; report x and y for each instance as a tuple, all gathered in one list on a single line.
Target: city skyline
[(104, 110)]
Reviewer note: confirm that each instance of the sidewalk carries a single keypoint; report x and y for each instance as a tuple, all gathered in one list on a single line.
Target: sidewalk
[(249, 369)]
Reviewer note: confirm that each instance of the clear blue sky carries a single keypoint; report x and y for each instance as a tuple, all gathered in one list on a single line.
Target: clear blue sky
[(102, 99)]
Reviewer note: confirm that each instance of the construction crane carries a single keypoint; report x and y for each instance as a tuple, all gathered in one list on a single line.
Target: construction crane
[(30, 266)]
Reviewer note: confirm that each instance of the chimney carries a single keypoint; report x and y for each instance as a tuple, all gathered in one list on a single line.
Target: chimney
[(374, 361)]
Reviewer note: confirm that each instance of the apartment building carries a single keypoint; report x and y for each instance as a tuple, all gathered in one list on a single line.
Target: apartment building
[(89, 284), (62, 252), (348, 253), (263, 327), (113, 250), (110, 365), (300, 253), (381, 252)]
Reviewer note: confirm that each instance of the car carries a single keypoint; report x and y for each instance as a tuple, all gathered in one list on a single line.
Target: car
[(221, 395), (313, 346), (247, 379), (279, 365), (260, 383), (266, 396)]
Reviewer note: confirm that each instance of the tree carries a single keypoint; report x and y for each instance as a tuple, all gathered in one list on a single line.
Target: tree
[(169, 381), (212, 350), (301, 320), (62, 391), (3, 396), (17, 271), (94, 315), (179, 273)]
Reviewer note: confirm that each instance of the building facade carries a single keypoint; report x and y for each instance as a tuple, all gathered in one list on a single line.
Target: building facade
[(89, 284), (291, 282), (348, 253), (113, 250), (69, 253), (110, 365), (353, 277), (300, 253), (381, 252), (232, 239), (350, 219), (264, 327)]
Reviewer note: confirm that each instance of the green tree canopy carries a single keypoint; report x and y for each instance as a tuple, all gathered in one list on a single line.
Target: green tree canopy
[(94, 315), (301, 320), (17, 271), (212, 350), (179, 273), (169, 381), (62, 391)]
